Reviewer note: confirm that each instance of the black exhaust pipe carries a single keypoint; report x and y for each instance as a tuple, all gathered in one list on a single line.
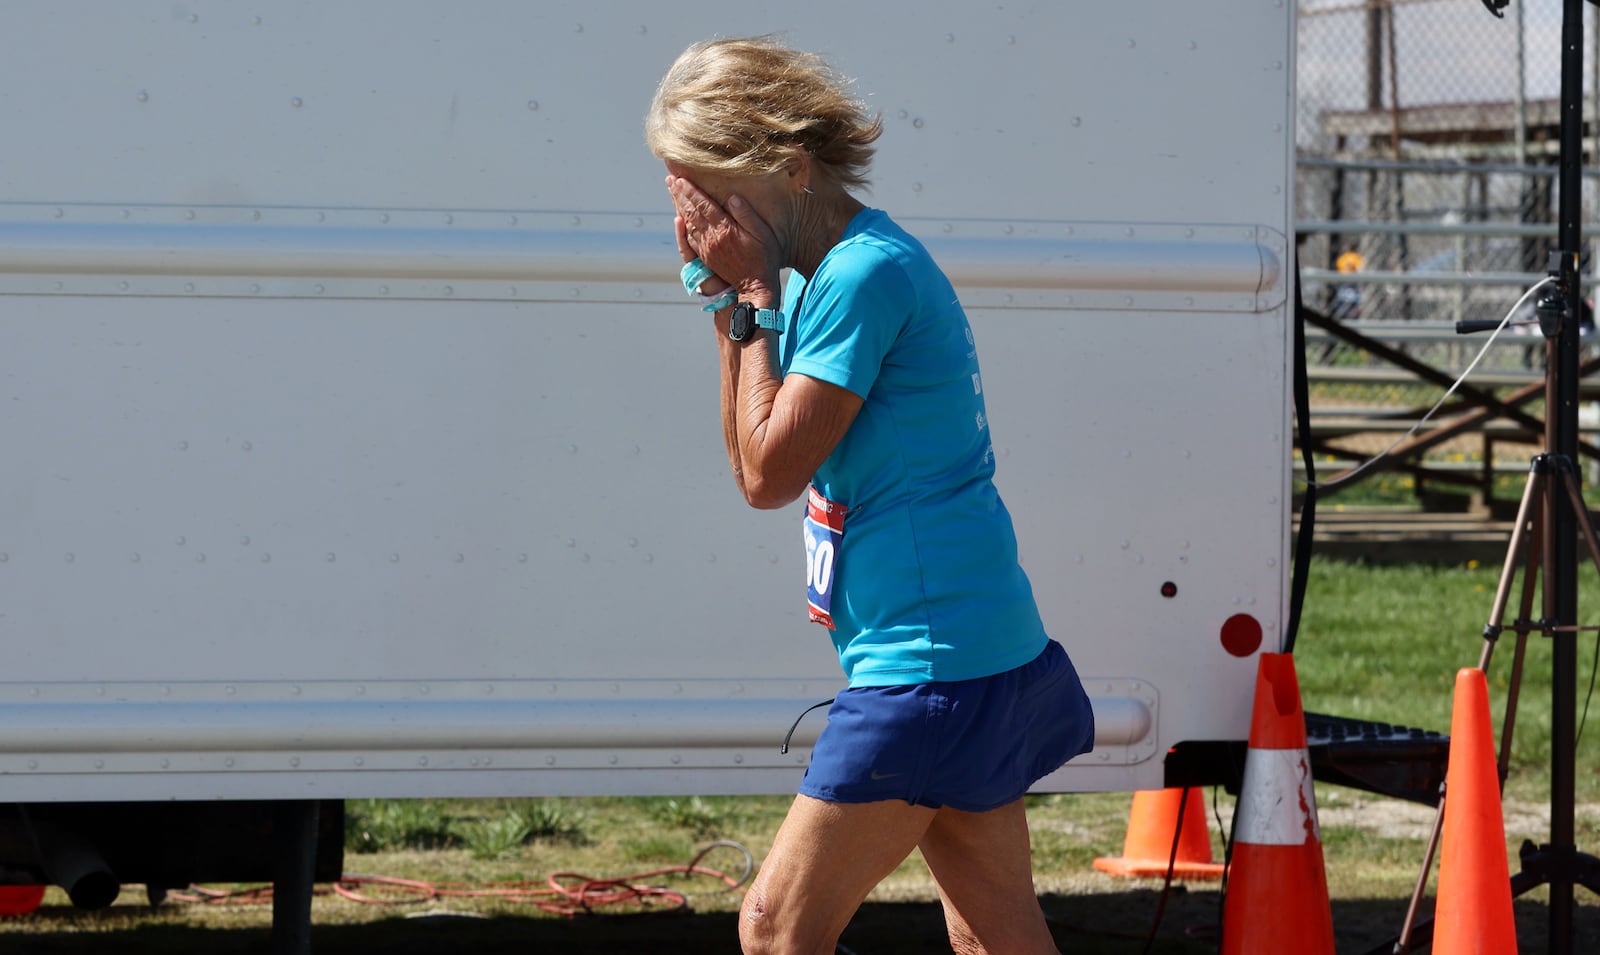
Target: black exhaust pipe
[(73, 863)]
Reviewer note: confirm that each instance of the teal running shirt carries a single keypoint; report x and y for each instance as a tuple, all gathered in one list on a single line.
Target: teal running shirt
[(923, 580)]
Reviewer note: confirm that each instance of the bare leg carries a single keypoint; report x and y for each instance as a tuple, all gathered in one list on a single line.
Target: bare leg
[(983, 864), (826, 858)]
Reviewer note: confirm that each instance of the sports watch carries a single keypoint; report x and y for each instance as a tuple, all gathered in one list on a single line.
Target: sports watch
[(747, 318)]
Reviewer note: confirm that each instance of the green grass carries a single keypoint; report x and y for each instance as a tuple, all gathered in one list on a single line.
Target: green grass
[(704, 817), (1385, 643), (488, 829), (381, 825)]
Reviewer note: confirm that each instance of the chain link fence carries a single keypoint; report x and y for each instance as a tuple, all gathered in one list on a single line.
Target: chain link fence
[(1428, 137)]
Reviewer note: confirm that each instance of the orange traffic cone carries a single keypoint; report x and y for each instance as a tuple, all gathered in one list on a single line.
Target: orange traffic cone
[(1473, 913), (1277, 886), (1152, 823)]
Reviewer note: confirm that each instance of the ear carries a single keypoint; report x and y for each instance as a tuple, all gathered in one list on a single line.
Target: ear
[(799, 172)]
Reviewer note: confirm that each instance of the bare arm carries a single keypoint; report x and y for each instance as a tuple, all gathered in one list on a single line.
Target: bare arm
[(778, 429)]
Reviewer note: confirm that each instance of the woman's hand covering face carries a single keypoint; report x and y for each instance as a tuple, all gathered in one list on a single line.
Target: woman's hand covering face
[(728, 235)]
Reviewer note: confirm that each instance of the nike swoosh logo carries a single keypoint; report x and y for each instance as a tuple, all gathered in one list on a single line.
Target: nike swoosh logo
[(875, 776)]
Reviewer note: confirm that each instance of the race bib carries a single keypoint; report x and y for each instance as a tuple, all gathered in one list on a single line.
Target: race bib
[(824, 532)]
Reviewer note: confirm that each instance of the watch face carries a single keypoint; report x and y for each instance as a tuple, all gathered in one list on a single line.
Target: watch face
[(742, 322)]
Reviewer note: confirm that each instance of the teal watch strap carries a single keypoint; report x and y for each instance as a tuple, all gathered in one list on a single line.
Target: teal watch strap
[(770, 318), (746, 318)]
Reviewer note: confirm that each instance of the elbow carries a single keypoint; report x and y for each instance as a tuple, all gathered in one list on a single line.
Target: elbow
[(766, 494)]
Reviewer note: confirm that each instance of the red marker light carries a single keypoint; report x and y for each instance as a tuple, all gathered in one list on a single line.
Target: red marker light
[(1241, 635)]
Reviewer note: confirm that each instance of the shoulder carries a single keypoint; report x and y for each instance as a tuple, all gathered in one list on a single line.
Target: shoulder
[(875, 238), (876, 257)]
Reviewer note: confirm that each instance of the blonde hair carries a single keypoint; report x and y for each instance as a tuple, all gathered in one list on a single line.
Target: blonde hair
[(753, 106)]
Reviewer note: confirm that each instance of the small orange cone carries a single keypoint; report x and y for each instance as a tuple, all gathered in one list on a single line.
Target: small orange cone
[(1147, 848), (1277, 886), (1473, 913)]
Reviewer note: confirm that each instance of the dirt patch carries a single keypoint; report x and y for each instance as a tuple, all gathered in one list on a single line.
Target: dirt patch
[(1398, 819), (1386, 818)]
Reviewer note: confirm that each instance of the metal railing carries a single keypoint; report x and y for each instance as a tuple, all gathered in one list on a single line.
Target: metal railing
[(1392, 255)]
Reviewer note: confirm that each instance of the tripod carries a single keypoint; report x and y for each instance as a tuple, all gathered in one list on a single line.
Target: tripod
[(1553, 484), (1550, 519)]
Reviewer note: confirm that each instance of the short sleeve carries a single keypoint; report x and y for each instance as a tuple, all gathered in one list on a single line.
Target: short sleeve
[(850, 314)]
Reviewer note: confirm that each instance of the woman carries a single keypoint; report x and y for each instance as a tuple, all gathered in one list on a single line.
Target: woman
[(857, 386)]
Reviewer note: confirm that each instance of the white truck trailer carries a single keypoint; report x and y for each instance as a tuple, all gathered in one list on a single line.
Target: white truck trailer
[(360, 442)]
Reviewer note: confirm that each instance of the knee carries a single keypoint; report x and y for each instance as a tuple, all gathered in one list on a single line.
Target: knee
[(756, 936), (761, 933)]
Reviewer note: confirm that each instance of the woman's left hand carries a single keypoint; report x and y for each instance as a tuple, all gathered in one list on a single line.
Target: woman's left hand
[(715, 285), (735, 242)]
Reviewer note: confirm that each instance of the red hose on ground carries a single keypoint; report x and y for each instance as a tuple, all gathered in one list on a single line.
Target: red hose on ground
[(567, 894)]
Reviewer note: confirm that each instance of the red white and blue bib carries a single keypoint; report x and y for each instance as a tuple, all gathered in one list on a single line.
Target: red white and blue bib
[(824, 533)]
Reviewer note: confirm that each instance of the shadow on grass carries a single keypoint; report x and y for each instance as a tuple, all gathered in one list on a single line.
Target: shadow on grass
[(1090, 924)]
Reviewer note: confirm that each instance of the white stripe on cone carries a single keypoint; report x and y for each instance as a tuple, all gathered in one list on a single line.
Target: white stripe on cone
[(1277, 806)]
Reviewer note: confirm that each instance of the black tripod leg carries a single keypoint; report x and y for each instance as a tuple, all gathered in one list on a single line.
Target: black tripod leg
[(1588, 867), (1588, 874), (1543, 865)]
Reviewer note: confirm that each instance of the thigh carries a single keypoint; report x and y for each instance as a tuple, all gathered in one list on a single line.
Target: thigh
[(983, 864), (827, 856)]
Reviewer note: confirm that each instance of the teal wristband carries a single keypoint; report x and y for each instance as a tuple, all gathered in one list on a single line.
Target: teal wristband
[(694, 273), (722, 300)]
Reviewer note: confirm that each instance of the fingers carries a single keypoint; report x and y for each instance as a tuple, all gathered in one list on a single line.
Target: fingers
[(681, 229), (699, 219), (698, 210), (748, 219), (735, 241), (697, 214)]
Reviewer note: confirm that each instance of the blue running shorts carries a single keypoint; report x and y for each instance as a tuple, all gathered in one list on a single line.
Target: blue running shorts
[(972, 745)]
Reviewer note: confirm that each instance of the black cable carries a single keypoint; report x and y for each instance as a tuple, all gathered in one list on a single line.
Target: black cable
[(1594, 665), (784, 749), (1308, 506), (1302, 561), (1228, 832), (1216, 813), (1166, 885)]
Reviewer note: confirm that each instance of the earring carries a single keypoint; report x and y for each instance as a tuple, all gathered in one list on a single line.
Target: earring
[(807, 190)]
